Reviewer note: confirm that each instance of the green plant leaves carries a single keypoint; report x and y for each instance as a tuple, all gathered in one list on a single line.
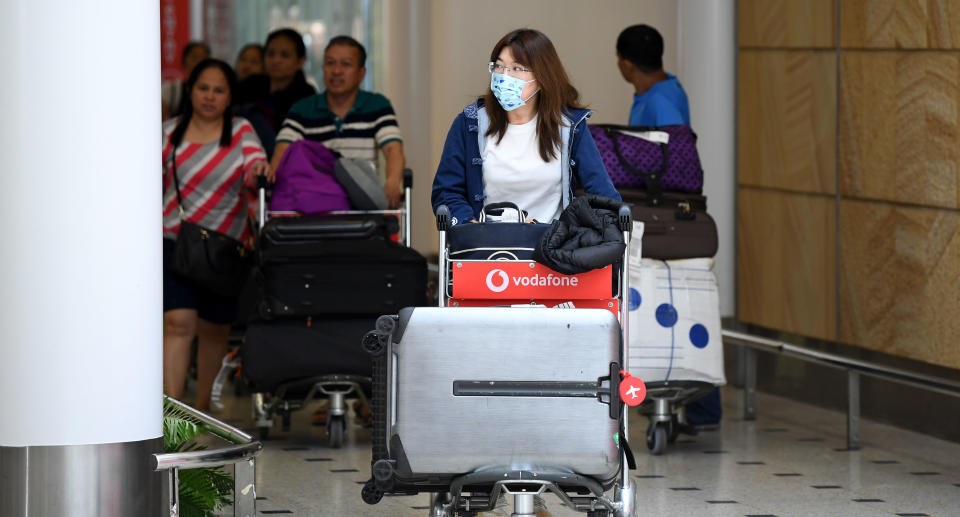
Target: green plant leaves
[(202, 491)]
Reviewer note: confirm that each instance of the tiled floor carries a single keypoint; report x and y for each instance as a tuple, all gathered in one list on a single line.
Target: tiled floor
[(790, 462)]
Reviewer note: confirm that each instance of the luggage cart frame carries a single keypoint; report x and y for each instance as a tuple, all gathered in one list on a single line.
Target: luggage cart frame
[(335, 387)]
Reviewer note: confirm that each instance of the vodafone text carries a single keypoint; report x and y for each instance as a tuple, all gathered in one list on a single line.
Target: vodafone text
[(498, 280)]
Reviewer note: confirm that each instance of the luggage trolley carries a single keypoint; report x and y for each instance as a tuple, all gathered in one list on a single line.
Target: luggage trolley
[(281, 398), (470, 440)]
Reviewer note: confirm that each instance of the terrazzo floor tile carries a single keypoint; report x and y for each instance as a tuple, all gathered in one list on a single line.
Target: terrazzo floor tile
[(769, 467)]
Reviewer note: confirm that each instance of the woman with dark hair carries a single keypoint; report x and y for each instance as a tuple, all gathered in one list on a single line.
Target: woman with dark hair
[(210, 159), (172, 93), (266, 99), (249, 61), (525, 141)]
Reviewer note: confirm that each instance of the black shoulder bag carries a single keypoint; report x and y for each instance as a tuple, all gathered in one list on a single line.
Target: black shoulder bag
[(207, 258)]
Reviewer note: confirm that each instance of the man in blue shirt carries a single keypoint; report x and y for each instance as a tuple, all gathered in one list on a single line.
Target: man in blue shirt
[(659, 99)]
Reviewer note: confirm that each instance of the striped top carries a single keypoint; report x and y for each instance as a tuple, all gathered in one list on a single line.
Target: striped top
[(212, 181), (368, 126)]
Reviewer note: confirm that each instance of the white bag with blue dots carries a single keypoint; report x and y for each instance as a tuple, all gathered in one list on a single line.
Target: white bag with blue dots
[(675, 320)]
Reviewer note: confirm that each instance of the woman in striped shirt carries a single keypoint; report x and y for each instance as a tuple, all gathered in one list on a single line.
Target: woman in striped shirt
[(215, 157)]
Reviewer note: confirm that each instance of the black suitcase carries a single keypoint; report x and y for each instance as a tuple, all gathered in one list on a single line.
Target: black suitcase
[(283, 351), (373, 276)]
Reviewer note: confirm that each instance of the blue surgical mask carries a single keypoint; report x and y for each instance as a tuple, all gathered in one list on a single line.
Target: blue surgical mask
[(509, 90)]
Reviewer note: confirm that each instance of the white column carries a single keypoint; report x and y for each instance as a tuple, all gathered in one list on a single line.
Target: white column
[(707, 70), (80, 266), (80, 270)]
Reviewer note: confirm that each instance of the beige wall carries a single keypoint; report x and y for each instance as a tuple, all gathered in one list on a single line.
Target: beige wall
[(439, 50), (848, 172)]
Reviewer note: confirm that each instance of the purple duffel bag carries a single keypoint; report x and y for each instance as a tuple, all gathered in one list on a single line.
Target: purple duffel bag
[(634, 157), (305, 181)]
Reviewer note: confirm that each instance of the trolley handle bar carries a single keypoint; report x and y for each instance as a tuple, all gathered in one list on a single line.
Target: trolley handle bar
[(443, 218), (624, 219)]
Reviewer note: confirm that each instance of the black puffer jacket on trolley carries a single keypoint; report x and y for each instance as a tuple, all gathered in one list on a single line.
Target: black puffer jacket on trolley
[(585, 237)]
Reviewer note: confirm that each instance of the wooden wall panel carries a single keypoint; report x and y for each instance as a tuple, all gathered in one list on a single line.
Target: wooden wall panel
[(787, 120), (899, 288), (787, 261), (786, 23), (899, 134), (933, 24)]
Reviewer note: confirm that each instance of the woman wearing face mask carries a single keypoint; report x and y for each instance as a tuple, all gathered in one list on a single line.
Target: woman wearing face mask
[(525, 141)]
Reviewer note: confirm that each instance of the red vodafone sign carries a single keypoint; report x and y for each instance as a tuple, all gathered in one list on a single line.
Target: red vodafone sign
[(508, 280)]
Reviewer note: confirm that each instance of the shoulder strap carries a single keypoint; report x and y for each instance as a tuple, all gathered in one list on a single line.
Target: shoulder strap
[(176, 181), (652, 178)]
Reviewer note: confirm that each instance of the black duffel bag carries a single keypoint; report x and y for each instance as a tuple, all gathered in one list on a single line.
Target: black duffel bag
[(495, 240), (675, 226)]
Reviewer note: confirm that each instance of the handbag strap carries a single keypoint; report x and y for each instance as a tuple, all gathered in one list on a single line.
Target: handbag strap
[(652, 179), (176, 182)]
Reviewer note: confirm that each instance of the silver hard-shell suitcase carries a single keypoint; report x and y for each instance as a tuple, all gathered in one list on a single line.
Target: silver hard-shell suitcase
[(502, 386)]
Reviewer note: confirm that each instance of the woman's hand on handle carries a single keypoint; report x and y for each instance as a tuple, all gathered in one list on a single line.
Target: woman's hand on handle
[(262, 169)]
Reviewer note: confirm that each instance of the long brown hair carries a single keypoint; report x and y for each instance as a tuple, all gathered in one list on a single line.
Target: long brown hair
[(534, 50)]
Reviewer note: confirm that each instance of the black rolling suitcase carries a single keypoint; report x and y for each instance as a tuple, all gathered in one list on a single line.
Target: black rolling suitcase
[(280, 351), (370, 276), (309, 229)]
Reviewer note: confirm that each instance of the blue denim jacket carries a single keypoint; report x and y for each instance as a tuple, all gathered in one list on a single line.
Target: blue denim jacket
[(459, 179)]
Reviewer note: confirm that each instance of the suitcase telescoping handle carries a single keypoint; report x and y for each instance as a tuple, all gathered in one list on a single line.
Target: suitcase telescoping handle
[(609, 394)]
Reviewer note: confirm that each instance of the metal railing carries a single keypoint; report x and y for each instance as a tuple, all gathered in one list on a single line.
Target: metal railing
[(242, 455), (854, 368)]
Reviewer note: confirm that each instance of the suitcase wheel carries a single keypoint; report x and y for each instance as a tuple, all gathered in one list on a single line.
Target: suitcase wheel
[(383, 470), (373, 343), (386, 324), (370, 493)]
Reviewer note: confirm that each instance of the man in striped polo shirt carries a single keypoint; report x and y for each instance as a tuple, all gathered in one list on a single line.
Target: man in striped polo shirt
[(346, 119)]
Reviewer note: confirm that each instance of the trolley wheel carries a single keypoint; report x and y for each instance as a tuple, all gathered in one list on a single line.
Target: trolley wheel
[(264, 432), (674, 429), (370, 493), (657, 439), (336, 428)]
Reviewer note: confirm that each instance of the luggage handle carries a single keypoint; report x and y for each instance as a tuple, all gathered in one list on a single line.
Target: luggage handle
[(493, 207), (541, 389)]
